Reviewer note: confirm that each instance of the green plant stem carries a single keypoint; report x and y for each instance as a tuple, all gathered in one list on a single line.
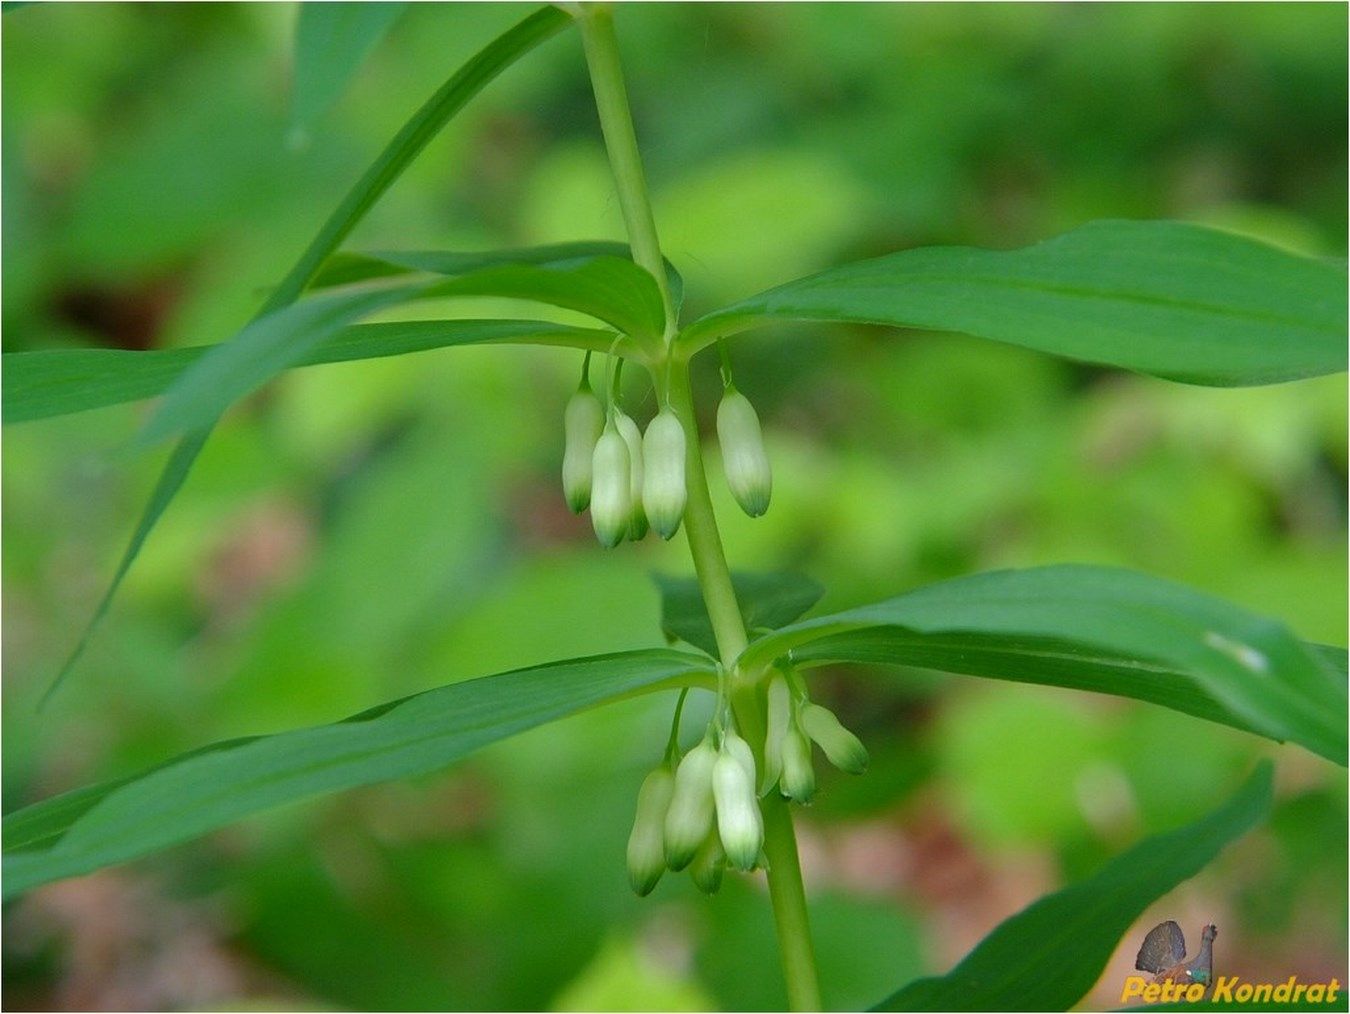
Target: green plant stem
[(700, 522), (700, 527), (786, 892), (616, 122)]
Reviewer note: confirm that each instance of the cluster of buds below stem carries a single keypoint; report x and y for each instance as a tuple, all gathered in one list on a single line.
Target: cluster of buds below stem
[(793, 724), (703, 816), (744, 459), (627, 480)]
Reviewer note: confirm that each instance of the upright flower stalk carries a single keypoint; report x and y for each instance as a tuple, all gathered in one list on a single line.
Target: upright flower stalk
[(746, 825)]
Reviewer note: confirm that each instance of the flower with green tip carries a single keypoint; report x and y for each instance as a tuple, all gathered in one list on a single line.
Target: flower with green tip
[(611, 494), (744, 460), (739, 823), (798, 781), (583, 422), (779, 717), (632, 438), (844, 749), (709, 863), (646, 842), (690, 815), (663, 489)]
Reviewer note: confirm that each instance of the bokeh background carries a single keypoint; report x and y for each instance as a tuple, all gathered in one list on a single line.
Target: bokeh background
[(359, 532)]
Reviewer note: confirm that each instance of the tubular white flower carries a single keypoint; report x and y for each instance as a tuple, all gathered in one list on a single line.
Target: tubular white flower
[(646, 844), (740, 749), (690, 816), (779, 715), (844, 749), (611, 493), (744, 459), (663, 489), (583, 422), (739, 823), (798, 781), (632, 438), (709, 863)]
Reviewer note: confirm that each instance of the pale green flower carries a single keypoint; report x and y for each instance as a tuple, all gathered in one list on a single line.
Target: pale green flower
[(663, 489), (690, 815), (744, 460), (611, 491), (583, 422), (646, 843)]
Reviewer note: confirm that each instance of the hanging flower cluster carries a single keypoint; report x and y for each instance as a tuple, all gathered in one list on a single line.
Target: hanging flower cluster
[(632, 482), (701, 811)]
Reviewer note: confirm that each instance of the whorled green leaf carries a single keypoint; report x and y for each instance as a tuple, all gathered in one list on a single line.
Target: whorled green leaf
[(348, 266), (331, 40), (1171, 299), (91, 828), (465, 83), (610, 289), (1047, 662), (1095, 628), (767, 602), (1048, 956), (38, 385)]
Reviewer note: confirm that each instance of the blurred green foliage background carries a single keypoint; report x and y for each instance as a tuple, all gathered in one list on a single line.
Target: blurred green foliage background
[(359, 532)]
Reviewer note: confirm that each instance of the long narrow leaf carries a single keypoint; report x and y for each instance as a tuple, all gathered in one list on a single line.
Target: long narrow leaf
[(1251, 666), (610, 289), (331, 40), (1165, 298), (206, 789), (1022, 659), (406, 145), (1048, 955), (170, 482), (347, 266), (38, 385), (269, 345)]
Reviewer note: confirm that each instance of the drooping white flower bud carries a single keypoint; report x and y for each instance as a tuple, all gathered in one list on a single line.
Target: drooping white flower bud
[(798, 781), (744, 459), (646, 843), (632, 438), (740, 749), (690, 816), (611, 492), (844, 749), (779, 716), (583, 422), (709, 863), (663, 490), (739, 823)]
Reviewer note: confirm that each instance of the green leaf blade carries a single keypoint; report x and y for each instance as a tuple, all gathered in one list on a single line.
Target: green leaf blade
[(1048, 956), (610, 289), (206, 789), (1169, 299), (331, 41), (408, 143), (267, 346), (47, 383), (1219, 660)]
